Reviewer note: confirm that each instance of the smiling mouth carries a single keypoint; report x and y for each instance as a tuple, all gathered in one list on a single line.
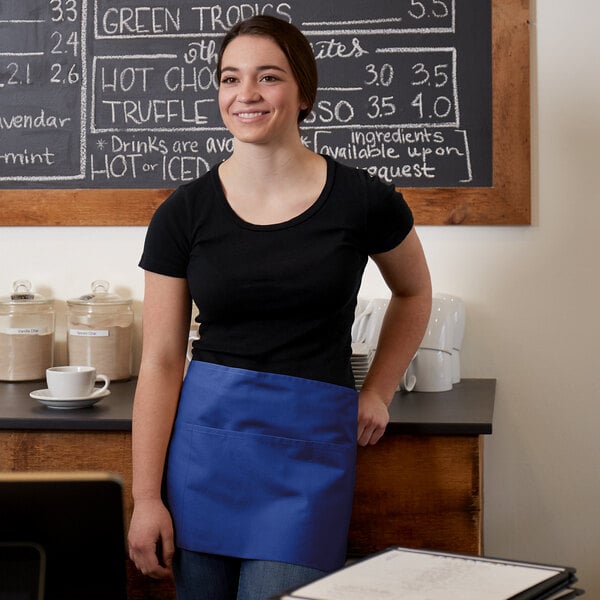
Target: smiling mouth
[(250, 115)]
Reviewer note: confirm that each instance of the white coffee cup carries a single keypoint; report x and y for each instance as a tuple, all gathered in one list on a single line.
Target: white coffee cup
[(368, 323), (363, 309), (458, 312), (74, 381), (439, 334), (192, 337), (409, 379), (433, 371)]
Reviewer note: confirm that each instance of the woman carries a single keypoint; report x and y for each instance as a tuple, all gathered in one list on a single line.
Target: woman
[(258, 445)]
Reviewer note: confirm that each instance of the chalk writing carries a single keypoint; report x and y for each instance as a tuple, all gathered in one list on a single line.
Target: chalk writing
[(107, 93)]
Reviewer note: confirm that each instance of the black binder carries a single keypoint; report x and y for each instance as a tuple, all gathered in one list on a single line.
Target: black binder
[(408, 574), (62, 536)]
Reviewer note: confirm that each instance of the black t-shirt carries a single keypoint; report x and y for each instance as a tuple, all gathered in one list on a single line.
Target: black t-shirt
[(278, 298)]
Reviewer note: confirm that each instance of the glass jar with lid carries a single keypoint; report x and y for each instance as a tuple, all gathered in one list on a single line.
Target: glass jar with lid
[(26, 334), (100, 331)]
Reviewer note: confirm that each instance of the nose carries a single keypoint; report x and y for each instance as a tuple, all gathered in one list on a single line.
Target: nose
[(248, 92)]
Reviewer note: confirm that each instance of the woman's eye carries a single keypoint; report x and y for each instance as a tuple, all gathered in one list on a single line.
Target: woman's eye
[(227, 80), (269, 78)]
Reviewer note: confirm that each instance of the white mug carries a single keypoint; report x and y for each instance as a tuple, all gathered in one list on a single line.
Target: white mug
[(439, 334), (192, 337), (361, 314), (456, 377), (409, 379), (75, 381), (458, 312), (433, 370), (368, 324)]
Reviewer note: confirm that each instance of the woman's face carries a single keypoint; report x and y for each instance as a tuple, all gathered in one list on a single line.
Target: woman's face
[(259, 98)]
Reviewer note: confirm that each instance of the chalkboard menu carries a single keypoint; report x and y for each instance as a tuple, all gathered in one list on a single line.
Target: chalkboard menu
[(122, 93)]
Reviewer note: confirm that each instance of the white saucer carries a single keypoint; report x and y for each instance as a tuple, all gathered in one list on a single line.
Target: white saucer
[(46, 399)]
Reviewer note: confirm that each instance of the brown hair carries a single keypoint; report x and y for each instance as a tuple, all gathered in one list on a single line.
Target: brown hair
[(293, 44)]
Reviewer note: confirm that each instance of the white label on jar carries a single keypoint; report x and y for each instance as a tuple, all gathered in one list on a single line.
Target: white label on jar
[(25, 331), (89, 332)]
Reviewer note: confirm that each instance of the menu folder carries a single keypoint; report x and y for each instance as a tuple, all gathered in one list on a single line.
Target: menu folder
[(564, 594), (412, 574)]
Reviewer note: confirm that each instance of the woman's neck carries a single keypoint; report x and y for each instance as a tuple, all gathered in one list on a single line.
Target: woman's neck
[(267, 162), (265, 186)]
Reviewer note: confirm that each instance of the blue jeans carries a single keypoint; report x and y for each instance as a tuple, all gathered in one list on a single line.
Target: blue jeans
[(210, 577)]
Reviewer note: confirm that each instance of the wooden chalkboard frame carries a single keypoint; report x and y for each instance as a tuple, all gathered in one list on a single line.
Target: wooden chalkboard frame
[(507, 202)]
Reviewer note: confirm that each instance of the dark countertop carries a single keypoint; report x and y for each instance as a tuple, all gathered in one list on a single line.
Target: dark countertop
[(19, 411), (467, 409)]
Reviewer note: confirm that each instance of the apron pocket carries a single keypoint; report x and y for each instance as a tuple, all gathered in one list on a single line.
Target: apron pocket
[(261, 496)]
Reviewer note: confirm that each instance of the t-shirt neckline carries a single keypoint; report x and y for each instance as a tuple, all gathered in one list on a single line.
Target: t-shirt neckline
[(300, 218)]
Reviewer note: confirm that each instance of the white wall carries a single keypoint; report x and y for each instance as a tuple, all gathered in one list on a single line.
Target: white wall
[(532, 296)]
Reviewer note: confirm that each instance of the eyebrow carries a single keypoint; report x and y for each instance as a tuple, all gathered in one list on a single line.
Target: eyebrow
[(261, 68)]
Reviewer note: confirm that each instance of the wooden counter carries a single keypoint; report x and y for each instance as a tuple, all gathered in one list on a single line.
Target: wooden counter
[(420, 486)]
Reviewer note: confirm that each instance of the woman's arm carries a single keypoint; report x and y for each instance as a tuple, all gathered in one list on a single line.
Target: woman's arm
[(404, 269), (166, 321)]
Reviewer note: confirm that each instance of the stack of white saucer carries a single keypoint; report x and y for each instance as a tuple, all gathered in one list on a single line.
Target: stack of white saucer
[(365, 334), (362, 355)]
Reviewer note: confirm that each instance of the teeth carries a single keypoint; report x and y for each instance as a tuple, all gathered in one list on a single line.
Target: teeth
[(249, 115)]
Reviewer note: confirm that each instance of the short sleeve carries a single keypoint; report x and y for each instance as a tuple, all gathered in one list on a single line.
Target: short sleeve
[(167, 244), (389, 218)]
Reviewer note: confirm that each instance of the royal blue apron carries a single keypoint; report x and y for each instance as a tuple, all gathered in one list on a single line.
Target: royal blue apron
[(262, 466)]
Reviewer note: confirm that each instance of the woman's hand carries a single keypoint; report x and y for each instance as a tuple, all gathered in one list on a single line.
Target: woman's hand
[(373, 417), (150, 538)]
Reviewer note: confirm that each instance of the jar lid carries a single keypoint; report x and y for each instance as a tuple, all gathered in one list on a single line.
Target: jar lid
[(22, 295), (99, 295)]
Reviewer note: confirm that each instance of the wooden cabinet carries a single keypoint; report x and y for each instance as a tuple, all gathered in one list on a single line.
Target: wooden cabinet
[(419, 492), (35, 450), (420, 486)]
